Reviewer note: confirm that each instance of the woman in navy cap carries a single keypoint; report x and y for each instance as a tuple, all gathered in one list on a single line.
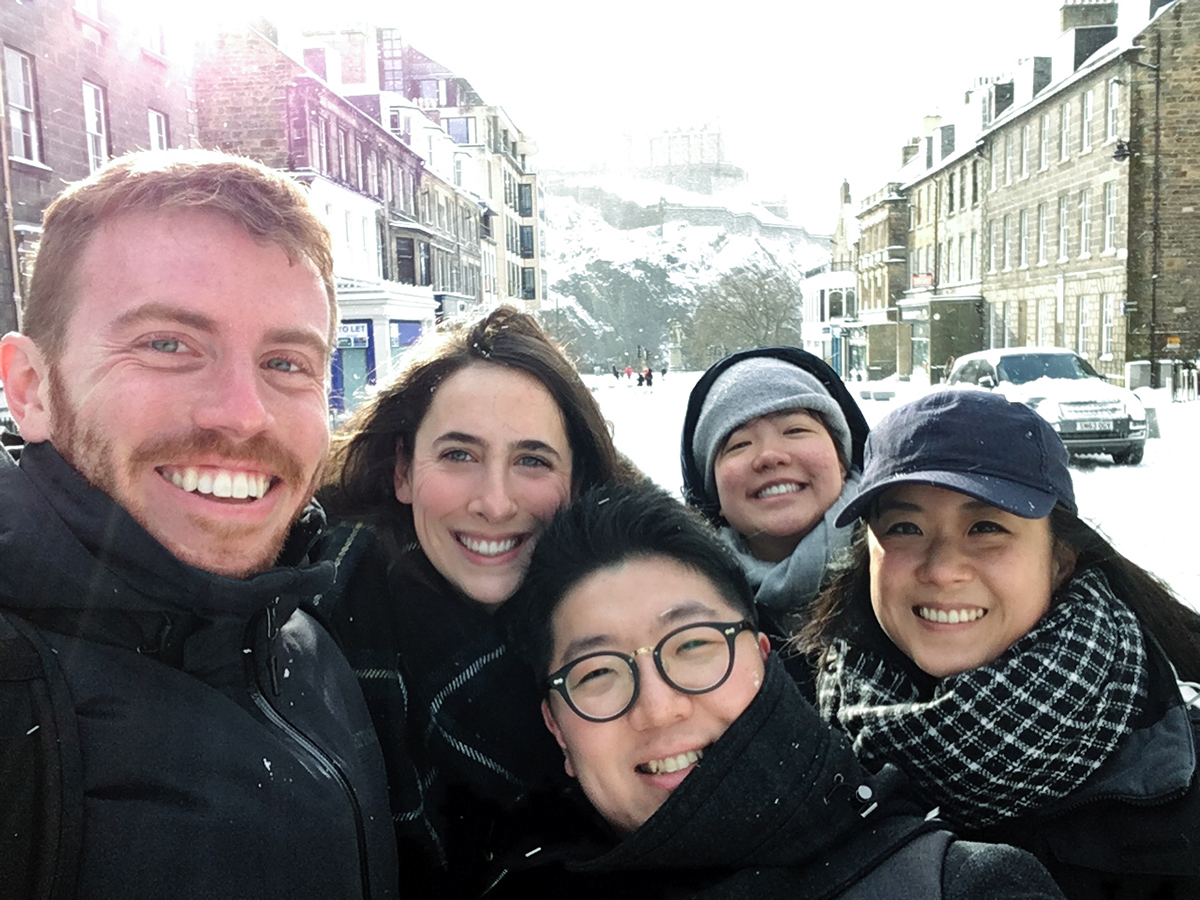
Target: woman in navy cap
[(1007, 658)]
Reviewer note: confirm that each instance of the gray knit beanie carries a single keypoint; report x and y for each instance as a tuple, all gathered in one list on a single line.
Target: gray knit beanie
[(756, 387)]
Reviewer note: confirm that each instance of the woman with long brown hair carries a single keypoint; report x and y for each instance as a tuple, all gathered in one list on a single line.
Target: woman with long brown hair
[(443, 483)]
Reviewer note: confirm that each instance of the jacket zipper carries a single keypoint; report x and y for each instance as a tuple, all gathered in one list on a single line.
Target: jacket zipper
[(324, 762)]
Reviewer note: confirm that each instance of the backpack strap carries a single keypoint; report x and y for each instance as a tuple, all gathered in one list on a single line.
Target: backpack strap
[(41, 769)]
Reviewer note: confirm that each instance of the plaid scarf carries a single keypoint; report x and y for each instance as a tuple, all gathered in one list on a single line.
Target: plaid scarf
[(1009, 737)]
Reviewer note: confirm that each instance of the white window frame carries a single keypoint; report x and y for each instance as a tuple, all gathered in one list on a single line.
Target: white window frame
[(154, 38), (1064, 150), (1110, 216), (1113, 111), (1044, 149), (1081, 328), (1008, 160), (157, 124), (1006, 244), (1023, 238), (1025, 150), (19, 92), (1064, 227), (1085, 122), (1043, 235), (1108, 316), (95, 125), (1085, 222)]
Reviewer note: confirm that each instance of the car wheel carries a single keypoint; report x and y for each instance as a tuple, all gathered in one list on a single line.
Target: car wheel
[(1130, 457)]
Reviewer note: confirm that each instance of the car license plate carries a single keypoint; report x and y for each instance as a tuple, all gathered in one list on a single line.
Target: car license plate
[(1094, 425)]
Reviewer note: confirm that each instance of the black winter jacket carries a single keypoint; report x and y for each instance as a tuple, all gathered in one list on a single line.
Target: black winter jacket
[(458, 715), (226, 749), (779, 807), (1132, 831)]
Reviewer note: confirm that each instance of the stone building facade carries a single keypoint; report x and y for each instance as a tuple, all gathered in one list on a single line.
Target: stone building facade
[(1162, 306), (79, 88), (366, 185), (1057, 225), (1064, 213), (882, 277), (493, 162)]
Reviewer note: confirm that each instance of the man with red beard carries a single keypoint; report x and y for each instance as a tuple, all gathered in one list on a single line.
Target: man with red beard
[(206, 738)]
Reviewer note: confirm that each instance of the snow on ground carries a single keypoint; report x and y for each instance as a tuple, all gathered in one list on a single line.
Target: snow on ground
[(1145, 510)]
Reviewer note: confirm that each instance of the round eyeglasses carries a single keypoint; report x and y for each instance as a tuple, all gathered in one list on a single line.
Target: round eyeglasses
[(694, 659)]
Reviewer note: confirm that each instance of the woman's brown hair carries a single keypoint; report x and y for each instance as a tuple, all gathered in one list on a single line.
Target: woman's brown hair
[(359, 479)]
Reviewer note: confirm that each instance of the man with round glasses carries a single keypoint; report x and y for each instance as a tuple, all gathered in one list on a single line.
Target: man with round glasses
[(711, 775)]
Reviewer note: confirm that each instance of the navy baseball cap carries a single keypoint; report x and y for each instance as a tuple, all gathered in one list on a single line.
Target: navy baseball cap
[(974, 442)]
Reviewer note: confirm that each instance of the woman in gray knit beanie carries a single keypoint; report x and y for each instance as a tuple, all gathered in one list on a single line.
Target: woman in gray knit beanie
[(772, 452)]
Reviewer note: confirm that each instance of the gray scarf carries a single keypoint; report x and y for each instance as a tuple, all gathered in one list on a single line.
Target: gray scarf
[(788, 586)]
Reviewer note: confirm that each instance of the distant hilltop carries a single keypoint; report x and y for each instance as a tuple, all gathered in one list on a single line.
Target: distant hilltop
[(697, 194), (637, 268)]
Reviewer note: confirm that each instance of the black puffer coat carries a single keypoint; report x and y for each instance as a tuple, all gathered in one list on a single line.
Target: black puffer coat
[(779, 807), (226, 749)]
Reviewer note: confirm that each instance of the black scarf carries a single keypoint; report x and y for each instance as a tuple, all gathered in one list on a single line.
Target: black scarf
[(457, 714), (1010, 737)]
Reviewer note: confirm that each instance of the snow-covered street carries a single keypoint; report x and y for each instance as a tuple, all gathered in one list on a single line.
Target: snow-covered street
[(1144, 509)]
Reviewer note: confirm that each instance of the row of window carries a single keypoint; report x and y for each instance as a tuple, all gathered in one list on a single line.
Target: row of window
[(1095, 321), (518, 195), (1019, 147), (419, 263), (440, 212), (1012, 156), (959, 186), (1032, 238), (25, 141), (1022, 240), (522, 281), (518, 239), (335, 152)]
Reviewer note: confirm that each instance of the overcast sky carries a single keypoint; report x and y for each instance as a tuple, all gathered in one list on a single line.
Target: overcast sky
[(805, 93)]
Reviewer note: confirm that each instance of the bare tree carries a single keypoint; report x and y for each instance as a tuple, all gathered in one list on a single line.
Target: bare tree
[(751, 306)]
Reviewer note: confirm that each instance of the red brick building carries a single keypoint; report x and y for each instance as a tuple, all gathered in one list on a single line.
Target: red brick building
[(80, 86), (365, 183)]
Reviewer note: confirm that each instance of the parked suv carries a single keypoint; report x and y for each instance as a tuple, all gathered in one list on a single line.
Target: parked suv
[(1089, 414)]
